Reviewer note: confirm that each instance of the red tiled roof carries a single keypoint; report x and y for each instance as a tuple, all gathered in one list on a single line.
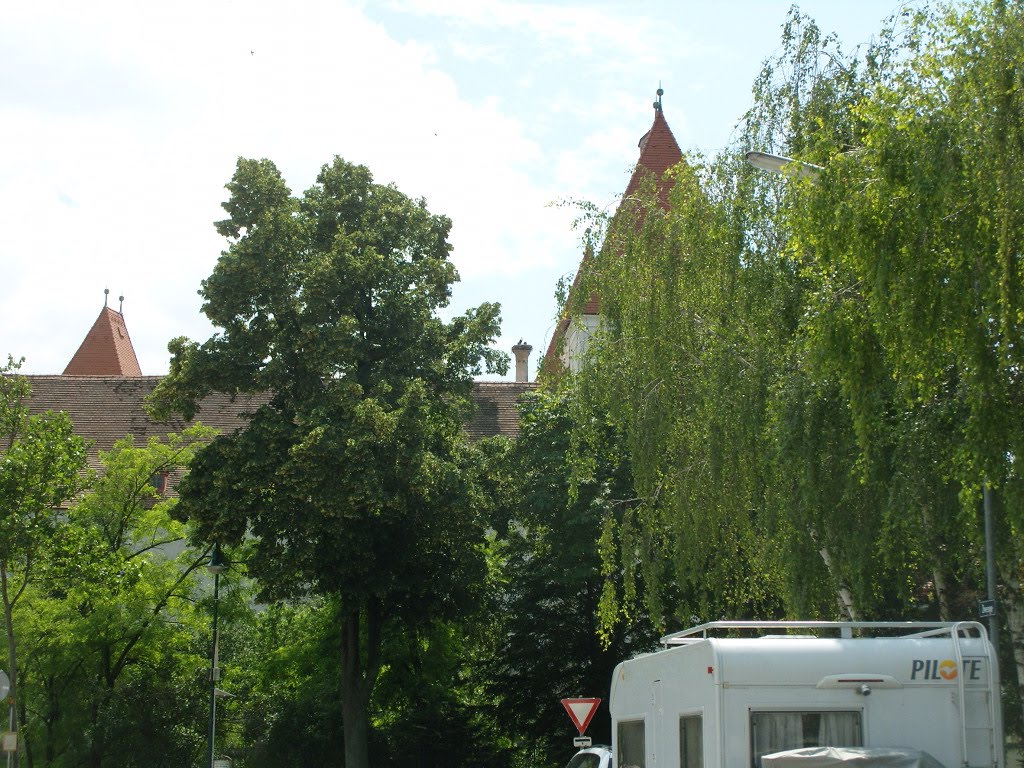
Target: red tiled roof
[(658, 152), (495, 408), (107, 349)]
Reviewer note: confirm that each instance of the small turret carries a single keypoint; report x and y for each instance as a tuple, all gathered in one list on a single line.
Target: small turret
[(107, 349)]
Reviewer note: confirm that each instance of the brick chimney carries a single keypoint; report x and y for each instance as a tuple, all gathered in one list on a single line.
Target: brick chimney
[(522, 352)]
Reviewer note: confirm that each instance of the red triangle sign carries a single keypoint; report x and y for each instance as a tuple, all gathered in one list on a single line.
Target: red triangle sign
[(581, 711)]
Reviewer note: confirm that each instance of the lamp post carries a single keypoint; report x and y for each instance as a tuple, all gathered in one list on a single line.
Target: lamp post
[(215, 566)]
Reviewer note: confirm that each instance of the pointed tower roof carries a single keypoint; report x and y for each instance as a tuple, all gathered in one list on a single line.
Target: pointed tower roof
[(659, 151), (107, 349)]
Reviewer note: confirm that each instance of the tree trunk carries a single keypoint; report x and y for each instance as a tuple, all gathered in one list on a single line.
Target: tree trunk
[(938, 577), (359, 668), (356, 722), (26, 750), (98, 747), (844, 597), (52, 717)]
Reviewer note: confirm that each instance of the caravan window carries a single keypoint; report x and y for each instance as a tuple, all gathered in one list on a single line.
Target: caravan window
[(631, 745), (778, 731), (691, 741)]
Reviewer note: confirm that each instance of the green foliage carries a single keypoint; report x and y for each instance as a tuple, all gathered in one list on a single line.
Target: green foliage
[(354, 480), (913, 258), (547, 638), (816, 375), (41, 466), (684, 368), (281, 666), (113, 622), (42, 461), (430, 708)]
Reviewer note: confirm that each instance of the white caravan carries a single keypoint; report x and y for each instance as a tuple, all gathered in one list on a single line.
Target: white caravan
[(713, 701)]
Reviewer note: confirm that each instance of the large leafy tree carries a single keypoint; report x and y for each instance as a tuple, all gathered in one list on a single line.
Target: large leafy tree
[(694, 318), (353, 479), (42, 463), (915, 224)]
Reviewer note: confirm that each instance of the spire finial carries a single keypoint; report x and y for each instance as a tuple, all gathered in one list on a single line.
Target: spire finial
[(120, 307), (661, 92), (106, 292)]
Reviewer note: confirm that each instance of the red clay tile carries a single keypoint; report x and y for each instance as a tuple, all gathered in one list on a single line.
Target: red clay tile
[(107, 349)]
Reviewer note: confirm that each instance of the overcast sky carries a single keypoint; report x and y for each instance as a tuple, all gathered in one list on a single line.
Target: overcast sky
[(120, 123)]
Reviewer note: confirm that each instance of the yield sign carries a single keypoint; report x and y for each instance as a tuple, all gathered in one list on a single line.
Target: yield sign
[(581, 711)]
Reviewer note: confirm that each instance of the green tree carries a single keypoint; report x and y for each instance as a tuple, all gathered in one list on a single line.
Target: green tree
[(819, 372), (115, 620), (431, 707), (919, 262), (41, 467), (353, 480), (281, 666), (550, 641), (695, 318)]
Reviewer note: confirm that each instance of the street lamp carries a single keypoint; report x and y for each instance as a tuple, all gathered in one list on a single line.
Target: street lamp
[(783, 165), (216, 565)]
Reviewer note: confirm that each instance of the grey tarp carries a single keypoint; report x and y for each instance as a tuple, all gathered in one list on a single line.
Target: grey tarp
[(850, 757)]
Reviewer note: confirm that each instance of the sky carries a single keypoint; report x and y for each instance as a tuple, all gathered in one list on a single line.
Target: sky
[(121, 122)]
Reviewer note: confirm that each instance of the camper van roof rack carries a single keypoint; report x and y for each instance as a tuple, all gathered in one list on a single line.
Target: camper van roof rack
[(842, 629)]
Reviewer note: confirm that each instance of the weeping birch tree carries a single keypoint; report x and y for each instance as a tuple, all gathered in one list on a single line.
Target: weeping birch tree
[(817, 373), (916, 229)]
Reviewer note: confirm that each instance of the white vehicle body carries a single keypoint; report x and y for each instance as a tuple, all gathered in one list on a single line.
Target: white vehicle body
[(598, 756), (723, 702)]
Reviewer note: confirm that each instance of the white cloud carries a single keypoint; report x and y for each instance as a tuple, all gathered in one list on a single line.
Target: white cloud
[(121, 121), (135, 116), (584, 29)]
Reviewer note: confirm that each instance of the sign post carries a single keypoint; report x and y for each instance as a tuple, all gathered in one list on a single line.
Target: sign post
[(8, 738), (581, 711)]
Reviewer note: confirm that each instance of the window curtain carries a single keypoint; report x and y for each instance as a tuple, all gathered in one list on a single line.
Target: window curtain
[(776, 731), (839, 729)]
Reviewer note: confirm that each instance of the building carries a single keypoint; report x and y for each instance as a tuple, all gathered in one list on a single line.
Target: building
[(659, 151), (104, 392)]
